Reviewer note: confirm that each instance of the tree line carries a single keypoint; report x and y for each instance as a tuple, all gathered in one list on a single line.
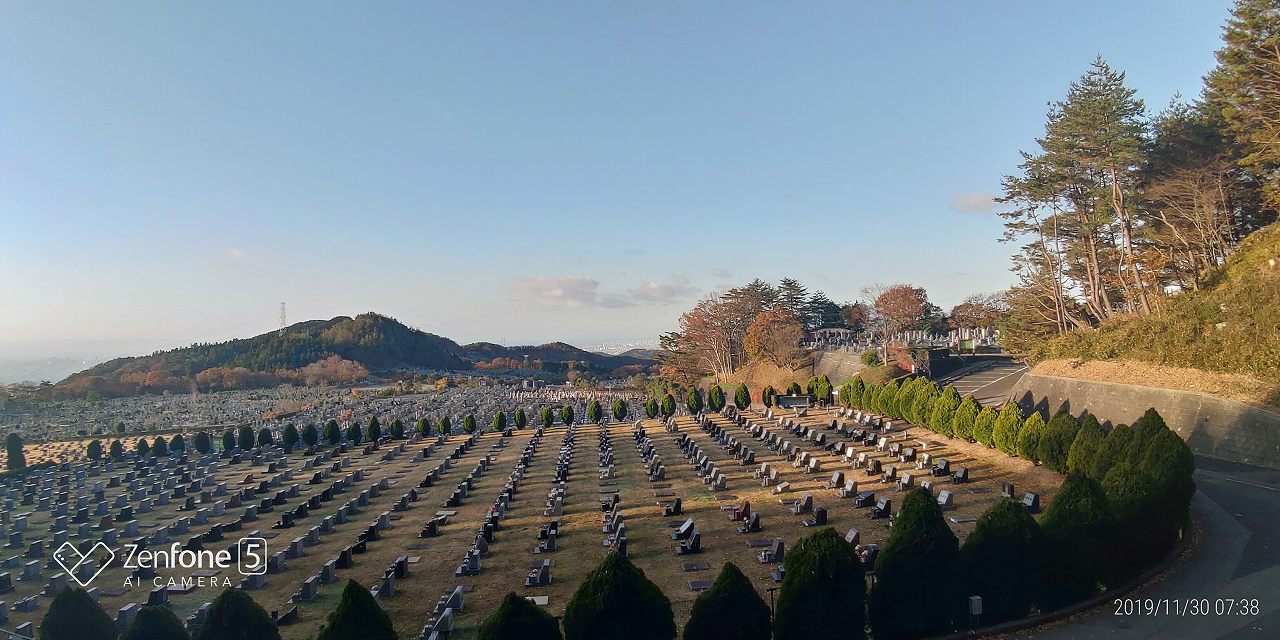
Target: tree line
[(1117, 206)]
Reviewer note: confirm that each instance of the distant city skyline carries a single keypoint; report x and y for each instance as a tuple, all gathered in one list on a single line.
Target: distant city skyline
[(517, 172)]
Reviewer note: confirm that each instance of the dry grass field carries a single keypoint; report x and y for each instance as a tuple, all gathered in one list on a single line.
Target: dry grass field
[(581, 541)]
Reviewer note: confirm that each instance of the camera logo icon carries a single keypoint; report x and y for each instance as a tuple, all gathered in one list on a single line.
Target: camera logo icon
[(252, 558)]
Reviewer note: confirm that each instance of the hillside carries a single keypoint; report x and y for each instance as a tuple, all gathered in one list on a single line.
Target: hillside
[(1231, 326), (339, 350)]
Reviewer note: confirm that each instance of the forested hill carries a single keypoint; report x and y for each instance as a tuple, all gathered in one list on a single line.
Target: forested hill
[(322, 351), (1230, 325)]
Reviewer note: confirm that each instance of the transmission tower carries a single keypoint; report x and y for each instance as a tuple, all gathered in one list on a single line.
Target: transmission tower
[(284, 318)]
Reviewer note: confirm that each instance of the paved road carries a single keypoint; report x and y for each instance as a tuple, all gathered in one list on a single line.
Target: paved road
[(1236, 555), (991, 383)]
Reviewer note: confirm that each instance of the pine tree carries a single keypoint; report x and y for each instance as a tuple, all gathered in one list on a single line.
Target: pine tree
[(142, 447), (518, 619), (1110, 452), (73, 615), (856, 388), (730, 609), (374, 431), (768, 395), (160, 448), (355, 435), (357, 617), (397, 429), (823, 576), (715, 398), (155, 623), (921, 550), (615, 601), (233, 615)]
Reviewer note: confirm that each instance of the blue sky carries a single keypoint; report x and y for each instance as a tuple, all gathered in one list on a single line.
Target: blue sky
[(520, 171)]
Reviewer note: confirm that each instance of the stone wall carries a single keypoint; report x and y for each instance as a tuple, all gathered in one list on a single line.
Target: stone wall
[(1212, 426)]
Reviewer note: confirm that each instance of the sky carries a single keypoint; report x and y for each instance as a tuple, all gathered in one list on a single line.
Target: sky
[(520, 172)]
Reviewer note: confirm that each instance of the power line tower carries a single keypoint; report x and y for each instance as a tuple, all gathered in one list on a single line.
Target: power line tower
[(284, 318)]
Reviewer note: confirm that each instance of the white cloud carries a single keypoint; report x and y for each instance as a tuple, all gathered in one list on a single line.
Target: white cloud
[(722, 274), (976, 203), (659, 292), (236, 254), (567, 291)]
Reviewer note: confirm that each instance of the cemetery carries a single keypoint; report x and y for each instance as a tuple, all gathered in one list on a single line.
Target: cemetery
[(463, 519)]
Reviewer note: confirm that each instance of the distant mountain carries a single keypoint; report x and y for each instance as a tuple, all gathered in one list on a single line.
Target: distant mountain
[(337, 347), (642, 354)]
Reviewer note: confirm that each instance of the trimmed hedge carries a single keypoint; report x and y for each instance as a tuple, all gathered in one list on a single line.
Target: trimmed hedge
[(617, 602), (730, 610), (518, 619), (824, 580), (921, 550), (1000, 561)]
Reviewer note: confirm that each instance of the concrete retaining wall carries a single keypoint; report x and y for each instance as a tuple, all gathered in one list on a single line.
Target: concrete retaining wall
[(1212, 426)]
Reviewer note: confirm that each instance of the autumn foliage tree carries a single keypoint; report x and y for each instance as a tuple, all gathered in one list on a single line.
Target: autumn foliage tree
[(774, 336)]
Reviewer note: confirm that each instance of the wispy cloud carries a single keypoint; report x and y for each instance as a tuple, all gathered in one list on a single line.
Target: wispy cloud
[(544, 291), (236, 255), (676, 288), (976, 203), (722, 274)]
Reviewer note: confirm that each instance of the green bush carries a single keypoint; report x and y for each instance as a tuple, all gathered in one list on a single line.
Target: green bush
[(651, 408), (1077, 527), (984, 427), (693, 401), (332, 432), (94, 450), (499, 420), (1000, 561), (234, 615), (1029, 437), (1055, 445), (730, 610), (291, 436), (178, 444), (203, 443), (374, 431), (963, 423), (595, 412), (944, 411), (822, 592), (822, 390), (521, 418), (354, 433), (228, 440), (13, 449), (615, 601), (566, 415), (1141, 536), (1085, 445), (518, 619), (869, 393), (469, 424), (142, 447), (397, 429), (620, 409), (715, 398), (160, 448), (116, 450), (245, 438), (742, 397), (885, 403), (921, 550), (871, 357), (768, 395), (1111, 451), (357, 617), (155, 623), (73, 615), (795, 389), (1007, 427), (264, 437), (548, 417), (1144, 430), (668, 406)]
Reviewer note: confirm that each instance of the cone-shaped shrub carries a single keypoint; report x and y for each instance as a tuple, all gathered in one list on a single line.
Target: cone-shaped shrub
[(469, 424), (921, 550), (693, 401), (824, 578), (518, 619), (1007, 427), (1141, 535), (965, 419), (332, 432), (742, 397), (768, 395), (984, 427), (234, 615), (521, 418), (397, 428), (620, 409), (358, 617), (651, 408), (944, 411), (668, 406), (179, 444), (203, 443), (1030, 435), (547, 417), (730, 610), (73, 615), (1144, 430), (1085, 445), (566, 415), (1110, 452), (155, 623), (617, 602), (374, 431), (1055, 445), (595, 412), (715, 398), (1000, 561), (291, 436), (1077, 528)]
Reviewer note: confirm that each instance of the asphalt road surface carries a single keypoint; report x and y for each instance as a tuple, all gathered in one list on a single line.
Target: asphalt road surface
[(990, 383)]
